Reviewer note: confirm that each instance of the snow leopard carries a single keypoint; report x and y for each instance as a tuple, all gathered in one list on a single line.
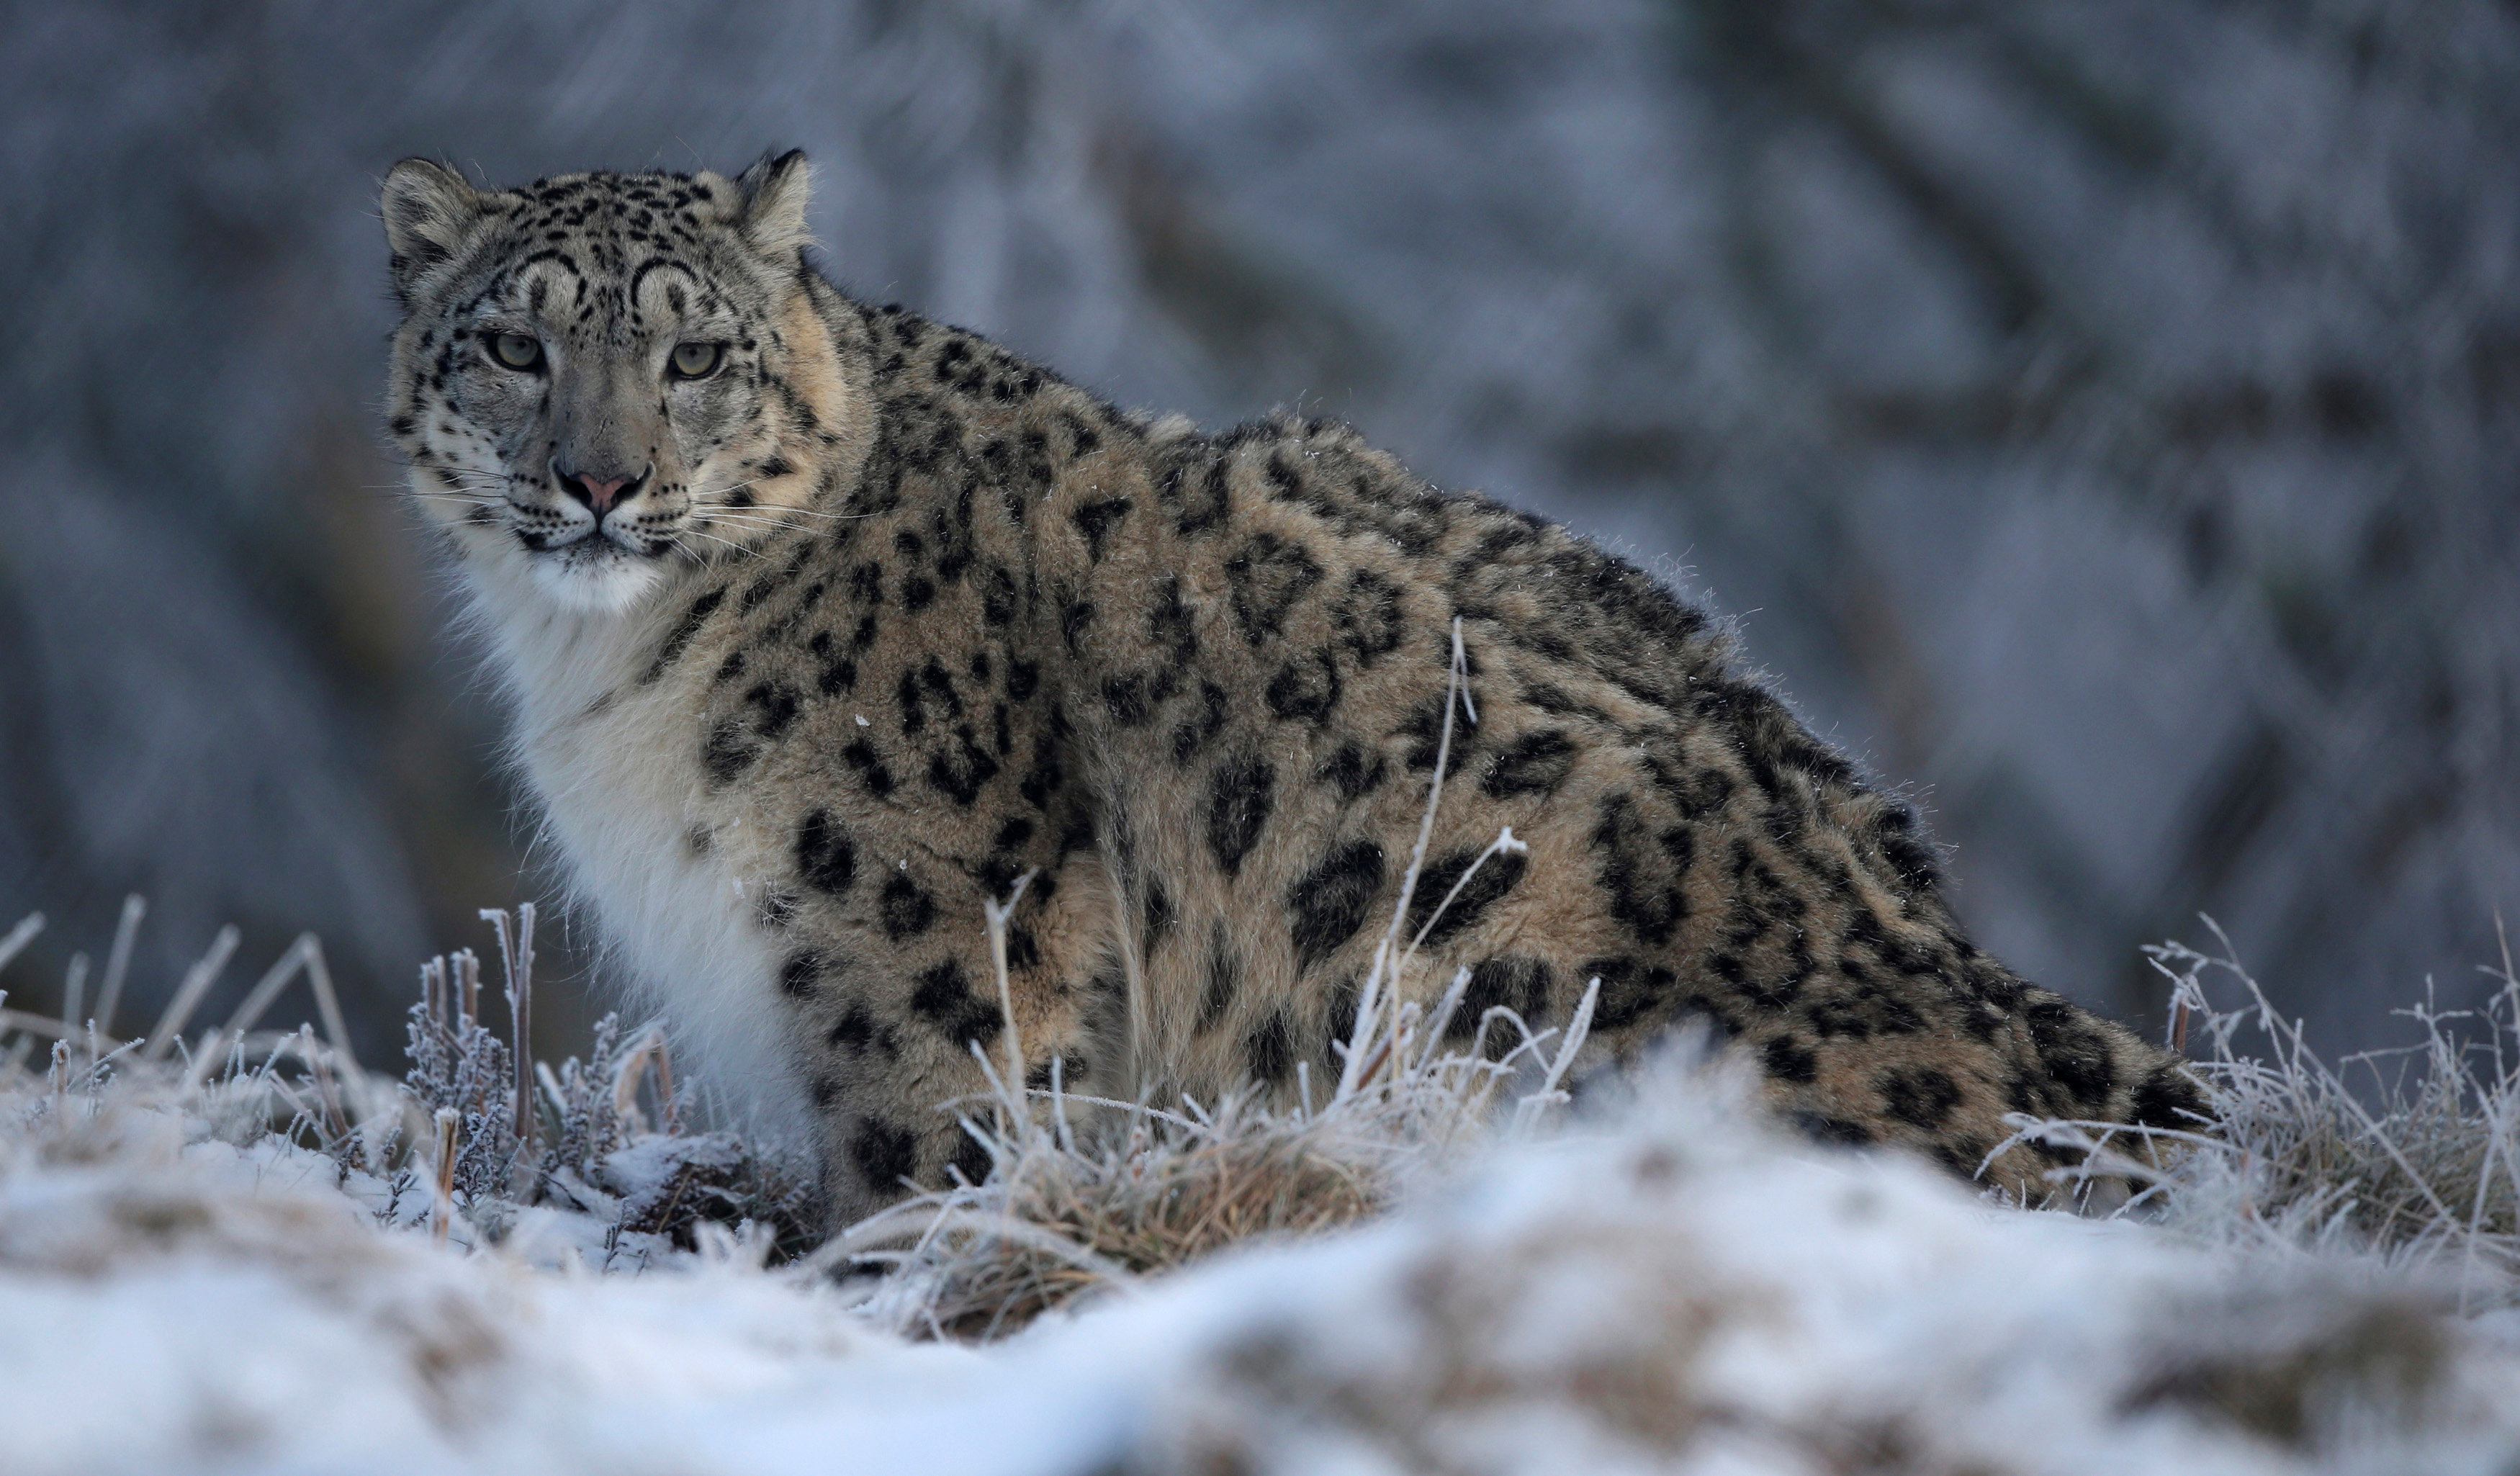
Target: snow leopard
[(828, 626)]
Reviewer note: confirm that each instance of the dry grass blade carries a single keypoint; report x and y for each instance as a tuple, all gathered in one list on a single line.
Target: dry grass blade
[(19, 936), (117, 963), (267, 989), (517, 960), (74, 992), (187, 994)]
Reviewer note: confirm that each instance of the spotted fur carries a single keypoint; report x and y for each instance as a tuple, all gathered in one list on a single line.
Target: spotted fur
[(889, 618)]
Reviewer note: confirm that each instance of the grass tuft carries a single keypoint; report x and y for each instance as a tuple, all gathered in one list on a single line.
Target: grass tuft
[(2411, 1152), (464, 1141)]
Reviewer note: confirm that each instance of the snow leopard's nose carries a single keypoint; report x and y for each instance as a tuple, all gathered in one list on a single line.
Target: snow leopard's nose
[(598, 493)]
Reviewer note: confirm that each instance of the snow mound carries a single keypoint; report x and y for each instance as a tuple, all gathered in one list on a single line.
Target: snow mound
[(1666, 1288)]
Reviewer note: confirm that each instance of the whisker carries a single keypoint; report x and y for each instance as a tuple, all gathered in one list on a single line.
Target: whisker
[(714, 538), (739, 520), (717, 508), (753, 532), (825, 517), (764, 518)]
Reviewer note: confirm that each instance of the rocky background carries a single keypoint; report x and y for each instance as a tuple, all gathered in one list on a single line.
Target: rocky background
[(2103, 416)]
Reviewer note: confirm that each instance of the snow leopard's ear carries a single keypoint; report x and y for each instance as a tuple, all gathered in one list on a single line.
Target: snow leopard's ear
[(429, 212), (771, 212)]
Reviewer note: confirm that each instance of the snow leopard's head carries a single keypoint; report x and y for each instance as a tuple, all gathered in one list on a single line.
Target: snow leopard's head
[(600, 375)]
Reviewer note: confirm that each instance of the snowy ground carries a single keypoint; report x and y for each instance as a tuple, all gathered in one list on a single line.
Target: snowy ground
[(1664, 1287)]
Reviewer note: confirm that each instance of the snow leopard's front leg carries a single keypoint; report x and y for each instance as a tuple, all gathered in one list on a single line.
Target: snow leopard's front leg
[(889, 982)]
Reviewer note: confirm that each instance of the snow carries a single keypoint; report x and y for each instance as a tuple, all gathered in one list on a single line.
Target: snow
[(1662, 1287)]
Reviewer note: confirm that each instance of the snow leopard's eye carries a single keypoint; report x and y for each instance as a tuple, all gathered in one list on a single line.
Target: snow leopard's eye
[(517, 350), (696, 361)]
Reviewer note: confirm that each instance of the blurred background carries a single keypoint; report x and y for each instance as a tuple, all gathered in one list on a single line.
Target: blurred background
[(2104, 419)]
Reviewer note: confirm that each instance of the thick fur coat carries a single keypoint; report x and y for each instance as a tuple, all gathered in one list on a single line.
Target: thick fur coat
[(824, 624)]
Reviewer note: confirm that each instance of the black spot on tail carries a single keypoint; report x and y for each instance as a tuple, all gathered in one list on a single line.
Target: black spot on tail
[(1125, 697), (2169, 1098), (997, 597), (2072, 1048)]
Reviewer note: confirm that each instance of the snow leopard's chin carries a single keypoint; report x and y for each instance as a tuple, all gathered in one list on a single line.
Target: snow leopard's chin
[(593, 578)]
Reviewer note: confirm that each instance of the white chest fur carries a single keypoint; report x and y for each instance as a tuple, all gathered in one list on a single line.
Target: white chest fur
[(619, 785)]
